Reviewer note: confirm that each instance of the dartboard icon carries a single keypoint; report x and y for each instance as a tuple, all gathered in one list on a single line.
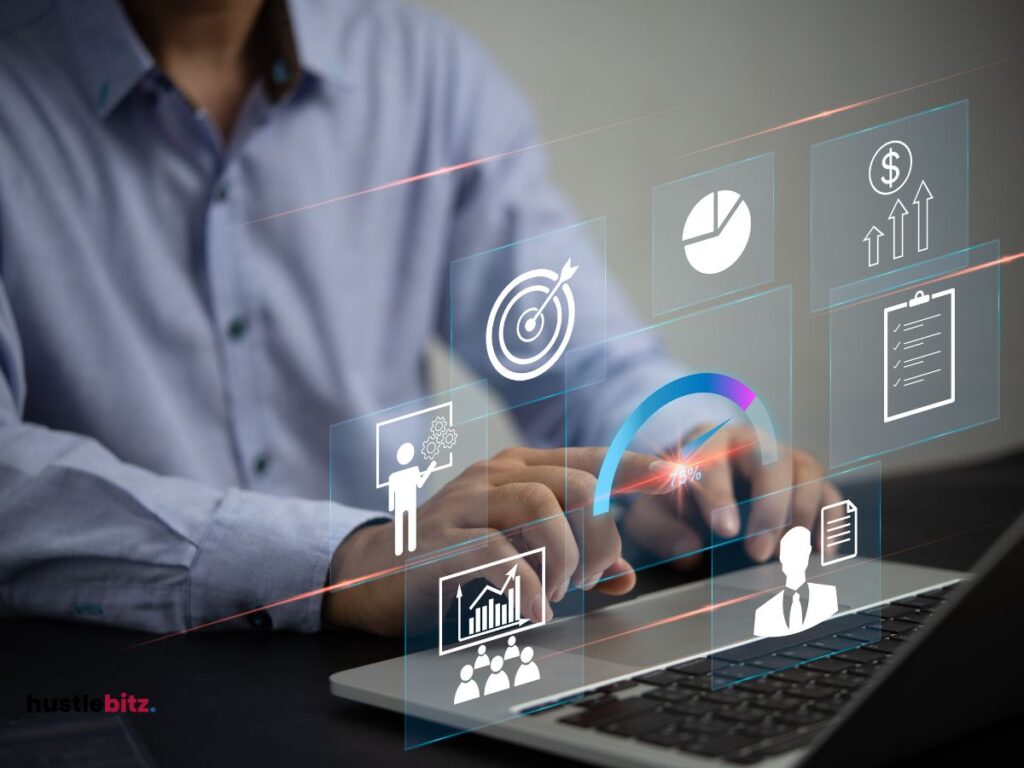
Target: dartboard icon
[(531, 323)]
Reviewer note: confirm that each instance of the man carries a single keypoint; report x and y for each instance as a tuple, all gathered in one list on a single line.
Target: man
[(176, 338), (800, 605)]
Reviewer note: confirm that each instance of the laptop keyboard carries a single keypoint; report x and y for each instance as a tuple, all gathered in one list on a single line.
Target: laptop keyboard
[(675, 707)]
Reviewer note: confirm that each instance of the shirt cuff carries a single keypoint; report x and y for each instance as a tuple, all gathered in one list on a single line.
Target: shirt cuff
[(261, 549)]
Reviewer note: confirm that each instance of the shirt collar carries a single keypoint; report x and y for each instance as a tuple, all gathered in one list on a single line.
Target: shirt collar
[(110, 57), (112, 60), (318, 35)]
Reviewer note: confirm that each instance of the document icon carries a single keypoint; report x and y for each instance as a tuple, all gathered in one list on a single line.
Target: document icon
[(920, 355), (838, 532)]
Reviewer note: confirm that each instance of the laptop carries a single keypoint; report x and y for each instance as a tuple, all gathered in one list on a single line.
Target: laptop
[(648, 698)]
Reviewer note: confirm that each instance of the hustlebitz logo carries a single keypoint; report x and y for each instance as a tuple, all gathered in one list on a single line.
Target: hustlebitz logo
[(123, 704)]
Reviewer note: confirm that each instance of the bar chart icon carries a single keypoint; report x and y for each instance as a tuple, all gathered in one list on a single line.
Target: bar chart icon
[(489, 612)]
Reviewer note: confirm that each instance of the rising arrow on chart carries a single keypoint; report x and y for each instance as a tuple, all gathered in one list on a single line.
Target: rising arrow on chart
[(872, 238), (899, 210), (922, 201)]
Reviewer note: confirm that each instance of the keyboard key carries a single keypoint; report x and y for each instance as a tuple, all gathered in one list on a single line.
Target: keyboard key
[(862, 635), (614, 710), (774, 662), (762, 686), (893, 626), (829, 666), (667, 737), (834, 643), (805, 717), (780, 703), (916, 617), (849, 682), (594, 700), (673, 694), (692, 708), (812, 692), (802, 652), (661, 677), (727, 697), (743, 714), (799, 675), (736, 671), (621, 685), (703, 726), (885, 646), (927, 603), (716, 746), (767, 729), (651, 720), (861, 656), (893, 611), (697, 667)]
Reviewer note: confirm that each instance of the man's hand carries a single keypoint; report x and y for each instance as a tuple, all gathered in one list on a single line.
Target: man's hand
[(512, 503), (676, 524)]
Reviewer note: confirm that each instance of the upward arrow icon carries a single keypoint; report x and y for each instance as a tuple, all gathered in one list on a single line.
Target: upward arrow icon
[(899, 211), (922, 202), (871, 238)]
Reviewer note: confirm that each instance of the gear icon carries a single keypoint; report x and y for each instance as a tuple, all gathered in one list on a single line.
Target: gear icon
[(441, 436)]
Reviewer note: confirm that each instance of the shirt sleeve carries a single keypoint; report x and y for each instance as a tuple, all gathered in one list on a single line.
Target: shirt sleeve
[(85, 536), (510, 197)]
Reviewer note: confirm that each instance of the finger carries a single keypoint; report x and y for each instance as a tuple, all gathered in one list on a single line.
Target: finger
[(714, 496), (633, 474), (486, 545), (830, 495), (531, 512), (770, 489), (809, 490), (596, 537), (654, 524), (618, 579)]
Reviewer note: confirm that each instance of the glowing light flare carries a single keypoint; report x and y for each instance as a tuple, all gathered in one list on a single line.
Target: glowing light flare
[(845, 108)]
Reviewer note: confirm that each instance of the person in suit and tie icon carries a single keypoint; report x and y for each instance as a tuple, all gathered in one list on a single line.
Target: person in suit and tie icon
[(800, 605)]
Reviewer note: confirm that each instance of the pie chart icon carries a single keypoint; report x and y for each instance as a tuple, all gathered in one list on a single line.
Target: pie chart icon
[(716, 232)]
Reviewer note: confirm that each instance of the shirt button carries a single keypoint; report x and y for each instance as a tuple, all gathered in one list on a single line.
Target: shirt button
[(261, 464), (238, 327), (220, 192), (261, 620)]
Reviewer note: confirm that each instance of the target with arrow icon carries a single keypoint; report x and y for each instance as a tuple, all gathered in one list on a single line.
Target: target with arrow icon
[(531, 323)]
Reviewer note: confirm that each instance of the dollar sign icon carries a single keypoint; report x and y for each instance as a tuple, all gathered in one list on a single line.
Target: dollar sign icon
[(890, 167)]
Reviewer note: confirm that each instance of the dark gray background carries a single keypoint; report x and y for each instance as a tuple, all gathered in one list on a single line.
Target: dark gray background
[(591, 63)]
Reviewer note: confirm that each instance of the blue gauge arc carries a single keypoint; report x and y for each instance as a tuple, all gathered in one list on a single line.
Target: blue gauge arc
[(695, 384)]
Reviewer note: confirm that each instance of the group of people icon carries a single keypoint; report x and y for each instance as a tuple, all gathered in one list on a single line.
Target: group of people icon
[(498, 679)]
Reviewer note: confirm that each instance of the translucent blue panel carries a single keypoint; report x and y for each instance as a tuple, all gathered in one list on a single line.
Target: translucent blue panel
[(885, 200), (713, 234)]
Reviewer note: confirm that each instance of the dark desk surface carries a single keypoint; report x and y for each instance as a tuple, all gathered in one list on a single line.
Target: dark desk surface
[(254, 698)]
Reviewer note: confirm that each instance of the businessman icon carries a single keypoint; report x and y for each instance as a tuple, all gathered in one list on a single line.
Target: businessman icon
[(403, 489), (800, 605)]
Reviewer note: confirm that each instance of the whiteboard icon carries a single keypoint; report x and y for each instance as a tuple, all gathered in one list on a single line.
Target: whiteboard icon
[(838, 532), (716, 232), (920, 355), (531, 322), (492, 611)]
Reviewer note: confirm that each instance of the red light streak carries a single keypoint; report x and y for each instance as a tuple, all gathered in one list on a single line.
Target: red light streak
[(845, 108), (445, 170), (1002, 260)]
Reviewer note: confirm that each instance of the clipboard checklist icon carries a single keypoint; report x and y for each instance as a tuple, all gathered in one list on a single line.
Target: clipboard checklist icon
[(920, 355)]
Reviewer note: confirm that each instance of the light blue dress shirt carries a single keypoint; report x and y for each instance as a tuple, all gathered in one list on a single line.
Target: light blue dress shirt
[(168, 371)]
